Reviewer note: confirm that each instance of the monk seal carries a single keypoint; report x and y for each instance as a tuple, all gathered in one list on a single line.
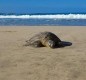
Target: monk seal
[(46, 39)]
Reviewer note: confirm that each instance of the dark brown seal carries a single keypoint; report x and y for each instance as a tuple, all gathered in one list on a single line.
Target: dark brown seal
[(47, 39)]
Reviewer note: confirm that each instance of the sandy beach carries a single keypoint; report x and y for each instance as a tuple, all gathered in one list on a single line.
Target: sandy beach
[(18, 62)]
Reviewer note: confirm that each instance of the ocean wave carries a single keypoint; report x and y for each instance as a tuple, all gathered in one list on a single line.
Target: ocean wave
[(58, 16)]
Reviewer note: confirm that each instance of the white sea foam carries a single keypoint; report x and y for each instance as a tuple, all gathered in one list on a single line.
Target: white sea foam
[(58, 16)]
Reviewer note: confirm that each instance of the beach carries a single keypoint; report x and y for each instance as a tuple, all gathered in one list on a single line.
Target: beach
[(18, 62)]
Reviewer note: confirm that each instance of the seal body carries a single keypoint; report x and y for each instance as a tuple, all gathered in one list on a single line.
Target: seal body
[(47, 39)]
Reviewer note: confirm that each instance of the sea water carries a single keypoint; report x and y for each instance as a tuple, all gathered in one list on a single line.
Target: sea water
[(43, 20)]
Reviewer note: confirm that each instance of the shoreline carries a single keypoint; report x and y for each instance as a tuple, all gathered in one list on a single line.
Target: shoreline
[(39, 26)]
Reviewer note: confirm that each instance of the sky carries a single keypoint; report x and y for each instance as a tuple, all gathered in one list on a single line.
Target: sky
[(42, 6)]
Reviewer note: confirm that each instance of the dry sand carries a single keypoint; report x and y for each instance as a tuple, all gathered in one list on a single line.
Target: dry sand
[(18, 62)]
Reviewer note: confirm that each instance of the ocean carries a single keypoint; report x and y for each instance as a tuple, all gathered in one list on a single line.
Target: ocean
[(42, 19)]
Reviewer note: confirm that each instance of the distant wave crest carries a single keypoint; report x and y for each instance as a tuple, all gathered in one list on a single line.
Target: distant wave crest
[(58, 16)]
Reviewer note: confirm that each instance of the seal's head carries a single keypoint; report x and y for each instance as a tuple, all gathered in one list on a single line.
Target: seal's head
[(51, 44)]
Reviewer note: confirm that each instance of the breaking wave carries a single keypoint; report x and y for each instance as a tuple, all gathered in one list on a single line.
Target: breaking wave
[(56, 16)]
